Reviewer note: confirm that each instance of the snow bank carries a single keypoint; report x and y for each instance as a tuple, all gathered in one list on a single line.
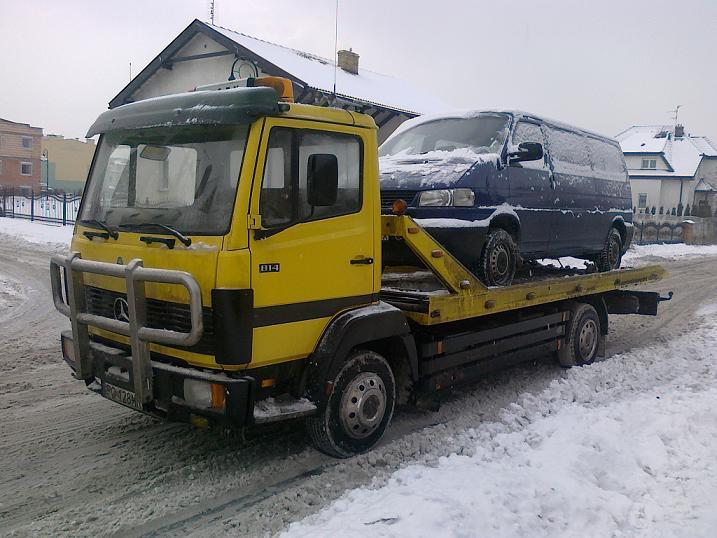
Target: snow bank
[(36, 232), (639, 255), (11, 293), (593, 455), (678, 251)]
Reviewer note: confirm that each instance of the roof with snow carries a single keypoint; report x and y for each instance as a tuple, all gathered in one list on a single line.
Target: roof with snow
[(682, 154), (368, 91)]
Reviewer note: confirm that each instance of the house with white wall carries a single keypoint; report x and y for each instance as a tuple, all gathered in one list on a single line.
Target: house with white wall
[(670, 169), (204, 54)]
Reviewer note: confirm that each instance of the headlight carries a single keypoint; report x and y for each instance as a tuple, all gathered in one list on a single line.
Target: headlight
[(447, 197)]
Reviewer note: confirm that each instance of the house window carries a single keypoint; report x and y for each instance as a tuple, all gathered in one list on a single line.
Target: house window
[(649, 163), (26, 169), (27, 142), (642, 200)]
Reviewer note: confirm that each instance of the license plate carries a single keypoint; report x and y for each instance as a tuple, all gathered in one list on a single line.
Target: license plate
[(121, 396)]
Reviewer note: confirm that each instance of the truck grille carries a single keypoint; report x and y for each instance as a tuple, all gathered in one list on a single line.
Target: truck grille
[(388, 197), (160, 315)]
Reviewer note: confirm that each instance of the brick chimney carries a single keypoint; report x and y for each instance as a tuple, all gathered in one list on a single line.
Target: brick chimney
[(348, 61), (679, 130)]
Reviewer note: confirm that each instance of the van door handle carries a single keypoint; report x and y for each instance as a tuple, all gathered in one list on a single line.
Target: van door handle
[(361, 261)]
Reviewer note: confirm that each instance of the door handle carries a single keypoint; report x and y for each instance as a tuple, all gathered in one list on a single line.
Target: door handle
[(361, 261)]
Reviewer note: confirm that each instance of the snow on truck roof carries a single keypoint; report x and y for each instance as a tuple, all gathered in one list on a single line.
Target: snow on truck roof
[(318, 73)]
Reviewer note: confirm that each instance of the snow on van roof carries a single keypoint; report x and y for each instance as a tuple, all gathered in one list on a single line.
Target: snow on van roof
[(683, 154), (317, 72), (471, 113)]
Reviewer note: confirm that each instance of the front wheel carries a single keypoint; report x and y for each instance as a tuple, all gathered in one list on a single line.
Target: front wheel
[(358, 409), (499, 259)]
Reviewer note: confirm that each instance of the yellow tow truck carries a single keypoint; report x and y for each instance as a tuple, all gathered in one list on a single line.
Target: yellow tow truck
[(226, 269)]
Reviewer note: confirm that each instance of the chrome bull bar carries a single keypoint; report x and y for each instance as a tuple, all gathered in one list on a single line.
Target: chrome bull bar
[(140, 335)]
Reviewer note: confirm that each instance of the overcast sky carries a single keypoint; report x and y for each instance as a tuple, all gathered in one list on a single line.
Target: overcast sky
[(601, 64)]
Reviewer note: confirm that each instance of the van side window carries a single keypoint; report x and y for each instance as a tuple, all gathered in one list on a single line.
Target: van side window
[(607, 159), (283, 198), (529, 132), (569, 152)]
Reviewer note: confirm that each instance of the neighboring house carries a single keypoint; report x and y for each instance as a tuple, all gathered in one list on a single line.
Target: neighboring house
[(66, 162), (670, 169), (206, 54), (20, 151)]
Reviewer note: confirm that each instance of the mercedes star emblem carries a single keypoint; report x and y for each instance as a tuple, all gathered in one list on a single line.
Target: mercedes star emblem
[(121, 309)]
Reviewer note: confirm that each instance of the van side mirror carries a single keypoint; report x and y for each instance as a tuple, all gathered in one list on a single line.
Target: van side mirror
[(527, 151), (322, 179)]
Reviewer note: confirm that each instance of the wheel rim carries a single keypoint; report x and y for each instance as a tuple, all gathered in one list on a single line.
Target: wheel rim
[(500, 262), (363, 405), (587, 340), (614, 254)]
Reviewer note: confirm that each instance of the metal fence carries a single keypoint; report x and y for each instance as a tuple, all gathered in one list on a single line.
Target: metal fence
[(651, 232), (56, 208)]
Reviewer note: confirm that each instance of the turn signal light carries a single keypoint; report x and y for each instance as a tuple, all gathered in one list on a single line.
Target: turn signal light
[(218, 396), (399, 207)]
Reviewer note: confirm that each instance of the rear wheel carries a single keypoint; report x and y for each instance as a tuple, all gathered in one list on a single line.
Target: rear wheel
[(582, 337), (611, 255), (359, 408), (499, 259)]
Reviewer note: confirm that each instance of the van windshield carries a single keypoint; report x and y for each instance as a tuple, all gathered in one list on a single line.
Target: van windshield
[(184, 177), (484, 133)]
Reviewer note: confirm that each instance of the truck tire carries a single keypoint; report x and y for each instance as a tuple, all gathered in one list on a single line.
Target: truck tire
[(582, 337), (499, 259), (359, 408), (611, 255)]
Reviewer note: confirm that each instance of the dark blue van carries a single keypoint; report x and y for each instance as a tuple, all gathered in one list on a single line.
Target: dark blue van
[(500, 187)]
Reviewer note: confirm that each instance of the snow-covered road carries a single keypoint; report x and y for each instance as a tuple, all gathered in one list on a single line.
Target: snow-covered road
[(624, 448), (74, 464)]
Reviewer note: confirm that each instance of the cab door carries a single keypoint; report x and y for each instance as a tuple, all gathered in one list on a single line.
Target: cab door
[(309, 262)]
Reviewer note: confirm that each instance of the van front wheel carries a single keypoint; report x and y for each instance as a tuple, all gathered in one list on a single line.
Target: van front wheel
[(611, 255), (499, 259)]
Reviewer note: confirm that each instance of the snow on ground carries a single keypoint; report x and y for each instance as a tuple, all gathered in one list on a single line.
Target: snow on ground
[(638, 255), (11, 292), (37, 232), (604, 451)]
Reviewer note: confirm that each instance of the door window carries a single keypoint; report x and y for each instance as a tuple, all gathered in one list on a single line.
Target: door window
[(529, 132), (569, 152), (283, 198), (607, 160)]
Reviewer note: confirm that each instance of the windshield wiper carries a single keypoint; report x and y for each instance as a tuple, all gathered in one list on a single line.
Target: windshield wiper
[(98, 223), (186, 241)]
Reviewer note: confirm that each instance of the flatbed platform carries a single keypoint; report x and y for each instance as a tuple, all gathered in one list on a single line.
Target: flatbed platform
[(448, 292)]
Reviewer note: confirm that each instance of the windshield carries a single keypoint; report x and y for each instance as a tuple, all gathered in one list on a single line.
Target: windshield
[(184, 177), (481, 134)]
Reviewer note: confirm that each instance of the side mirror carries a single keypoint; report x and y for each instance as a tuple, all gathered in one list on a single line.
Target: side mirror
[(527, 151), (322, 180)]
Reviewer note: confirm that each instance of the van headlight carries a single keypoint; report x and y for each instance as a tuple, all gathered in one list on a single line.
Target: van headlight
[(447, 197)]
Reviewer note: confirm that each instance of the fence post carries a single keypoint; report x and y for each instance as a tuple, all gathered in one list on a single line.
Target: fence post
[(32, 205), (64, 209)]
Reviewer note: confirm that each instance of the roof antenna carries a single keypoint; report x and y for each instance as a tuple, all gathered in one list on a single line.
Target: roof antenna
[(676, 113), (336, 45), (130, 71), (211, 11)]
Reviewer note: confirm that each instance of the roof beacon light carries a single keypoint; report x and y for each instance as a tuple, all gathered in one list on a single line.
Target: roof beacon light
[(282, 86)]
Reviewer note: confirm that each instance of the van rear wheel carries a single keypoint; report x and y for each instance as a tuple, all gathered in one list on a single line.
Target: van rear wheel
[(499, 259), (611, 255)]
